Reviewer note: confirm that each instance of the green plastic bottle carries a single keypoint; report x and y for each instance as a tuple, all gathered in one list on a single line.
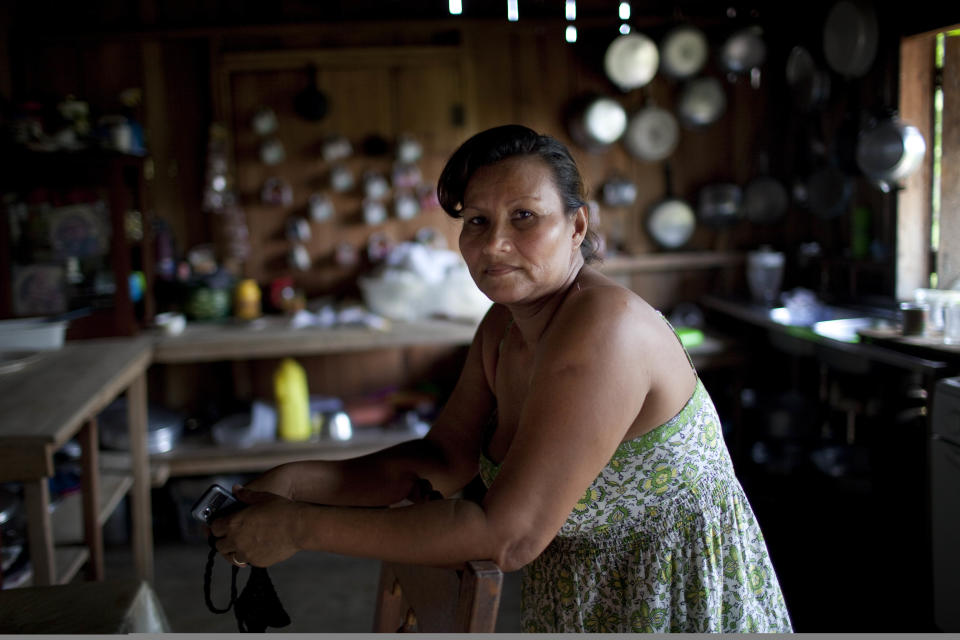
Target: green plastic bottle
[(293, 403)]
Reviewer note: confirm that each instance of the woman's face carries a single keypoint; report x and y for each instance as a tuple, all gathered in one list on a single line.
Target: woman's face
[(516, 239)]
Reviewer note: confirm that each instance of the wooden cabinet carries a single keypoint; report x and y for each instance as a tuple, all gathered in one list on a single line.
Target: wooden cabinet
[(82, 216)]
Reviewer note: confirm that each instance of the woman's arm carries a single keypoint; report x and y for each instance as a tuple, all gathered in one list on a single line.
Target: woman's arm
[(446, 456), (587, 388)]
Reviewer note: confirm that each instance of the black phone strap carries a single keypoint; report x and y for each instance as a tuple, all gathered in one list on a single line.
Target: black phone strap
[(257, 607)]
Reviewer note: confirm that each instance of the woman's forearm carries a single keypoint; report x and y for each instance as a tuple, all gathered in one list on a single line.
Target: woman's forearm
[(438, 533), (378, 479)]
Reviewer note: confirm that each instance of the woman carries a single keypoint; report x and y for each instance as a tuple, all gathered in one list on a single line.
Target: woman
[(608, 479)]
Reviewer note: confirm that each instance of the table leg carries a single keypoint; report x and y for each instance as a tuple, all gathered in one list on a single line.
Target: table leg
[(36, 495), (141, 514), (90, 488)]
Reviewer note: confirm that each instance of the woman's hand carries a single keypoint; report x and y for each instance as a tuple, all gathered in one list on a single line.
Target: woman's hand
[(260, 534)]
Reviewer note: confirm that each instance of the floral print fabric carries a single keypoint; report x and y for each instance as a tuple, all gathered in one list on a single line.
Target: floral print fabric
[(663, 540)]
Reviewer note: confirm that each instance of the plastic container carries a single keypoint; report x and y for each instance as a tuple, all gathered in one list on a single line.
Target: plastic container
[(32, 334), (765, 274), (293, 401)]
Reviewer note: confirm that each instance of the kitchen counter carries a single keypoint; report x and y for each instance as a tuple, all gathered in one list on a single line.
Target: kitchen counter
[(803, 340)]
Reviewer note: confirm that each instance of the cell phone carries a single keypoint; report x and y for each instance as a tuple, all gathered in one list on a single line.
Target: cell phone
[(215, 502)]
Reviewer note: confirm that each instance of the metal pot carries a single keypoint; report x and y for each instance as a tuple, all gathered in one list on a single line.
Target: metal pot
[(683, 52), (889, 150), (652, 134), (809, 84), (719, 205), (702, 102), (671, 221), (743, 51), (596, 121), (850, 36), (765, 200), (631, 61)]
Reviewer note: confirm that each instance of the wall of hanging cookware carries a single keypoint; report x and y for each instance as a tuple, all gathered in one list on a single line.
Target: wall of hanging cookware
[(824, 128), (706, 95)]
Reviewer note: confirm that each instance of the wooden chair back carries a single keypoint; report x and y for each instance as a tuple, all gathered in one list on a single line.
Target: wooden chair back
[(413, 598)]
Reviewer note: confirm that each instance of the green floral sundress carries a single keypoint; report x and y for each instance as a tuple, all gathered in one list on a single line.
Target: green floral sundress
[(663, 540)]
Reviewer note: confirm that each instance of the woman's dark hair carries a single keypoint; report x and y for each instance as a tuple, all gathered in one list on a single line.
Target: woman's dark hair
[(509, 141)]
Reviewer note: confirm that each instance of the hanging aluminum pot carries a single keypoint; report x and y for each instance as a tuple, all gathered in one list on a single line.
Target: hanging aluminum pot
[(652, 134), (719, 204), (809, 84), (596, 121), (889, 150), (683, 52), (743, 51), (631, 61), (850, 36), (702, 102)]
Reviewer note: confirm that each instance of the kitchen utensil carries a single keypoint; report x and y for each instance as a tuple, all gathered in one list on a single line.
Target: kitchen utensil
[(889, 150), (743, 50), (164, 427), (409, 149), (765, 274), (652, 134), (336, 148), (596, 121), (683, 52), (719, 204), (702, 102), (765, 200), (619, 191), (631, 61), (272, 152), (321, 207), (671, 221), (850, 35), (809, 84), (264, 121), (311, 103), (31, 334)]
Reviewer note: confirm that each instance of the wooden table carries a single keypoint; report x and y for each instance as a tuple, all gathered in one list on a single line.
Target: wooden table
[(57, 397)]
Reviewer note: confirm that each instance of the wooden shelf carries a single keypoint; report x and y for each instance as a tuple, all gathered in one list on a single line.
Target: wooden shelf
[(69, 560), (67, 518), (204, 459), (672, 261), (273, 337)]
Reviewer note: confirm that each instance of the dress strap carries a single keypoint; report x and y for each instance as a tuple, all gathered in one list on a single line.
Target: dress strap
[(677, 336)]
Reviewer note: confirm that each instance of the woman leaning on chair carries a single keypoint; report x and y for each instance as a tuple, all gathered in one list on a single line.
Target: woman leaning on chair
[(608, 480)]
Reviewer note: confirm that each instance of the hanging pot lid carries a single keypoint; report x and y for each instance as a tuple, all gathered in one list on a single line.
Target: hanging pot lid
[(631, 61), (683, 52), (671, 223), (652, 134), (743, 50), (850, 37), (702, 102)]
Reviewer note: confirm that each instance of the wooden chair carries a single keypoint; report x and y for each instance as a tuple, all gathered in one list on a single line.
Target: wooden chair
[(413, 598)]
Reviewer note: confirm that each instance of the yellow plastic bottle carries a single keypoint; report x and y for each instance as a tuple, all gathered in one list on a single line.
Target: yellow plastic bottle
[(293, 404)]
